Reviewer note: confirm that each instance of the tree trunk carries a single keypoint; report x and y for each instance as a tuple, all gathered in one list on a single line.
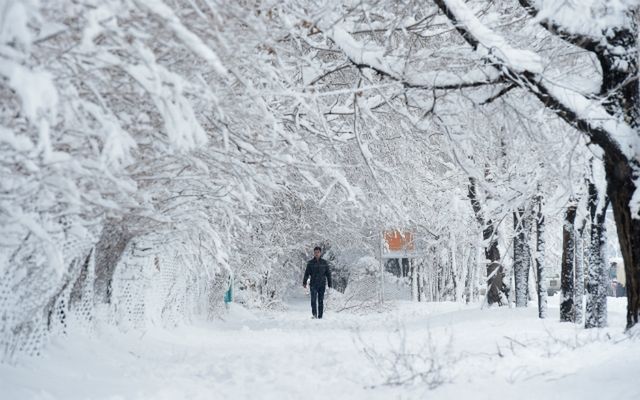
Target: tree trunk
[(496, 289), (567, 309), (540, 267), (419, 280), (469, 283), (441, 278), (579, 292), (521, 258), (596, 310), (457, 270), (621, 93), (620, 188), (414, 280)]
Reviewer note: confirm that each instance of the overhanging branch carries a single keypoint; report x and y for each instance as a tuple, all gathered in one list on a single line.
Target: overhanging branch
[(600, 130), (374, 58), (583, 41)]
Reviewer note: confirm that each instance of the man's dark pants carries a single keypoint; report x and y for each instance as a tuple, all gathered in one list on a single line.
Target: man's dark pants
[(317, 295)]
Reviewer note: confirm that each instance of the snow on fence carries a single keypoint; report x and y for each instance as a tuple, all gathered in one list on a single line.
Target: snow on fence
[(36, 289), (161, 288)]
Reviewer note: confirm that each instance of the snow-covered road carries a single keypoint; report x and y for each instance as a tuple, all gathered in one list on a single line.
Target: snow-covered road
[(459, 350)]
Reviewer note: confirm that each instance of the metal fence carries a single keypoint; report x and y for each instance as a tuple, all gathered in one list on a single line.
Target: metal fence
[(152, 288)]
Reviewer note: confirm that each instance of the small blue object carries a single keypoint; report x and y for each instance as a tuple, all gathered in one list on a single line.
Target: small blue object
[(228, 295)]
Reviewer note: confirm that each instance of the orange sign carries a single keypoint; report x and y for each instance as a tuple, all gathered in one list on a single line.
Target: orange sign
[(399, 241)]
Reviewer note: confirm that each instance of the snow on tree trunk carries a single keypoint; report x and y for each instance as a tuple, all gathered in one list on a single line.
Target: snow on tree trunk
[(540, 267), (419, 280), (521, 259), (596, 309), (496, 289), (567, 307), (469, 283), (579, 276), (457, 270), (414, 280)]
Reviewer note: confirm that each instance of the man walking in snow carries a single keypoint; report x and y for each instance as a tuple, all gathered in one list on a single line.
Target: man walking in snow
[(318, 270)]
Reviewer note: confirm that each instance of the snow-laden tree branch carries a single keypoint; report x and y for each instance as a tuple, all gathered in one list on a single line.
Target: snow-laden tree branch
[(583, 40), (395, 67), (525, 68)]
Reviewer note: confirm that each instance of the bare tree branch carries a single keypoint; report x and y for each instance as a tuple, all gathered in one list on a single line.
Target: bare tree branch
[(501, 93)]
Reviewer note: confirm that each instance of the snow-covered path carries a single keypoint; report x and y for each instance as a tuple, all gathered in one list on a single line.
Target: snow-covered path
[(477, 353)]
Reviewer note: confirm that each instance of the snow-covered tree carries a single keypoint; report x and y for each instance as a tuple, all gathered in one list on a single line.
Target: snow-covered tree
[(567, 279), (596, 304), (598, 28), (367, 34), (123, 123)]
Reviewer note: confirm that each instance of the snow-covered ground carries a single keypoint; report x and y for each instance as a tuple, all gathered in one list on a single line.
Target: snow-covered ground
[(411, 350)]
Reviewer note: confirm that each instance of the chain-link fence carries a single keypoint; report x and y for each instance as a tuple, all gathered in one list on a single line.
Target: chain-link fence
[(39, 284), (147, 288)]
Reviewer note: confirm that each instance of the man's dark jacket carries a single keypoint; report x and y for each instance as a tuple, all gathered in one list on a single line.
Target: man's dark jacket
[(318, 270)]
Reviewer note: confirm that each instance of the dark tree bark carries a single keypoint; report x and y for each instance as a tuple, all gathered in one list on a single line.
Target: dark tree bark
[(620, 188), (496, 289), (521, 257), (567, 310), (596, 310), (540, 267)]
